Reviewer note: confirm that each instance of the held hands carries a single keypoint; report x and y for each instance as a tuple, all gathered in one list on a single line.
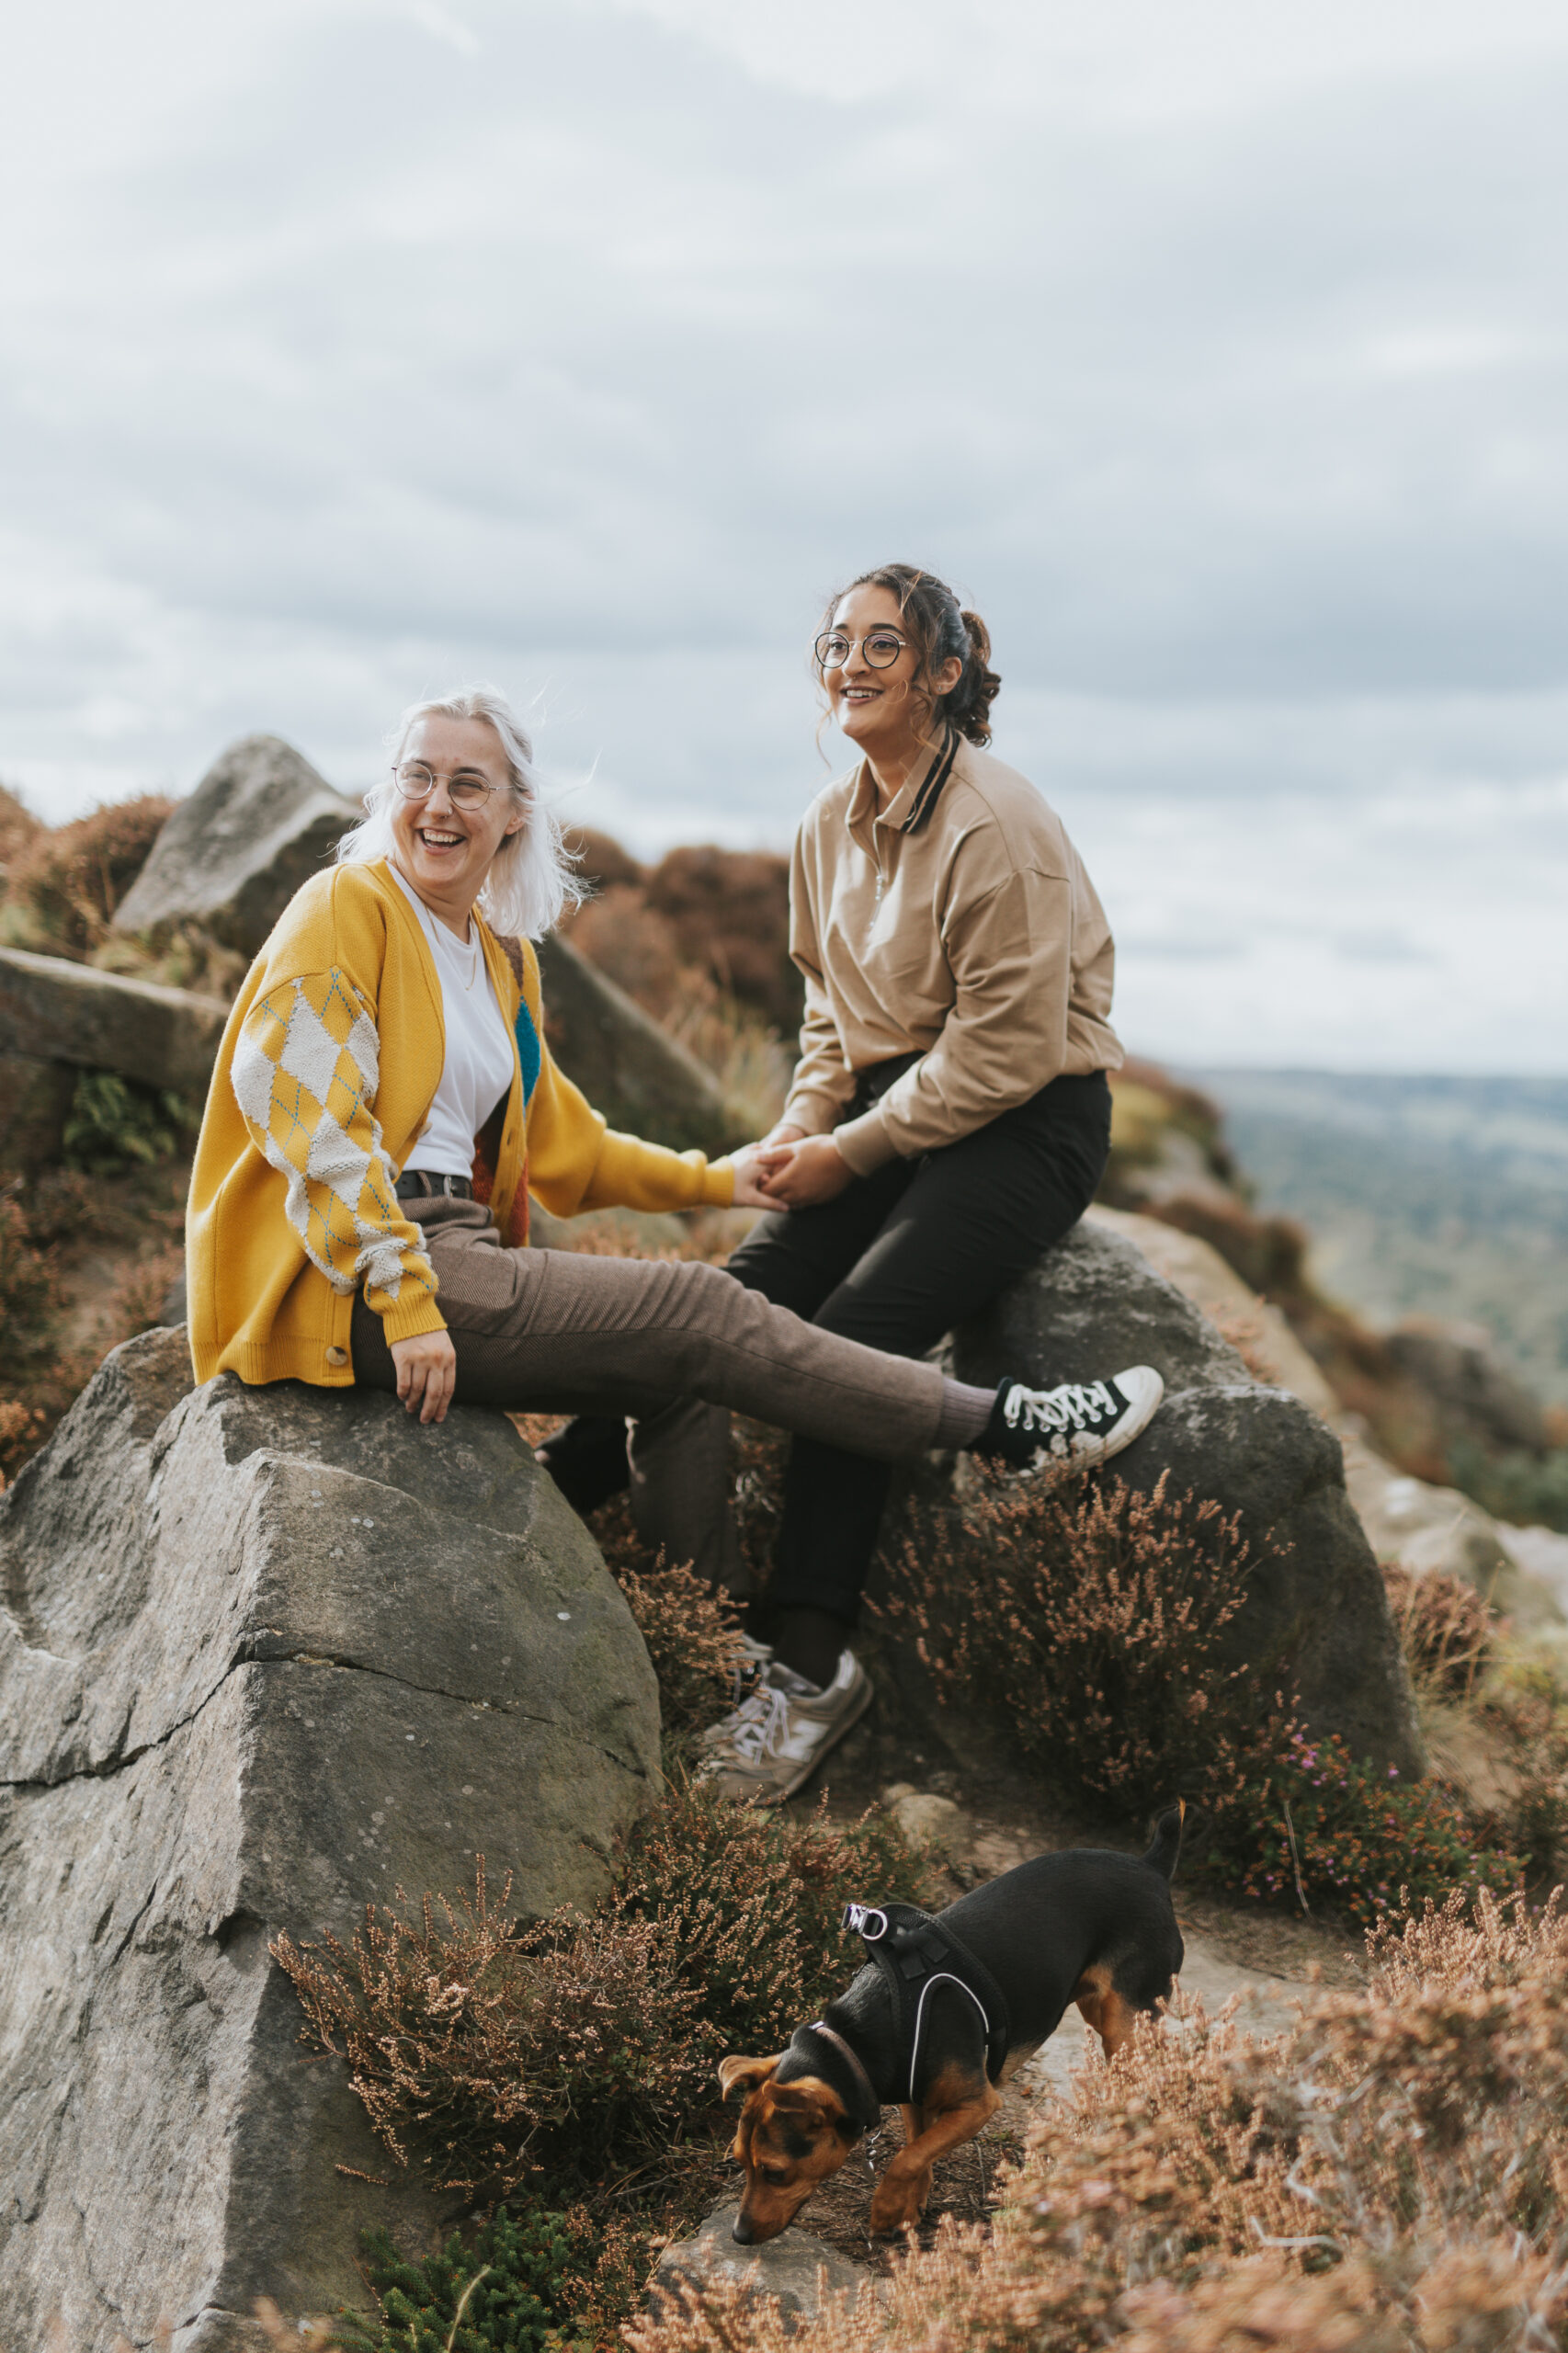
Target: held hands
[(426, 1373), (796, 1171), (748, 1193)]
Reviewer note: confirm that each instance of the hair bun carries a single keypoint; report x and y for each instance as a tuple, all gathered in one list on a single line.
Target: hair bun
[(969, 705)]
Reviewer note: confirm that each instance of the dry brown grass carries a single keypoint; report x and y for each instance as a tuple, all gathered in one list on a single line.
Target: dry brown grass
[(1446, 1630)]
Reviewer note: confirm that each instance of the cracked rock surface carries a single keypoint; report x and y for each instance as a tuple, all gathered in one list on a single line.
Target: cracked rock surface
[(265, 1655)]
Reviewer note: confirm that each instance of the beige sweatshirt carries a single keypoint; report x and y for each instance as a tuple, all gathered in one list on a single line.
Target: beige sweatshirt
[(960, 925)]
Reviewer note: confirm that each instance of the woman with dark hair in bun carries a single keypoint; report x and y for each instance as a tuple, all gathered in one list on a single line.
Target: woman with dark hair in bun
[(948, 1118)]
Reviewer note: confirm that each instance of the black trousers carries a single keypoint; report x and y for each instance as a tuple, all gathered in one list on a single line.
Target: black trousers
[(895, 1260)]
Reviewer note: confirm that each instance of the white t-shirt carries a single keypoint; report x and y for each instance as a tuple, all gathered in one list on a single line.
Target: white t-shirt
[(477, 1068)]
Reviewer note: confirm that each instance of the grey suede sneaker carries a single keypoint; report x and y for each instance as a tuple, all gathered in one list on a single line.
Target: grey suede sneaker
[(773, 1743)]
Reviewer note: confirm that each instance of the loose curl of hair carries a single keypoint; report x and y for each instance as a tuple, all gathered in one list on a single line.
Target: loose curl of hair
[(939, 628), (531, 878)]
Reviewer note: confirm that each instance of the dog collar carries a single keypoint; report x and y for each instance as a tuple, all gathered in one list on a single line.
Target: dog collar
[(866, 2110)]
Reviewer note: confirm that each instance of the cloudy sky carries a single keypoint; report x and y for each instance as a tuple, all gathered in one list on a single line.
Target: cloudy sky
[(1215, 349)]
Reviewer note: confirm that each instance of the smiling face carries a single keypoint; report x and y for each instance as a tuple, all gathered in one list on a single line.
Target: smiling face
[(790, 2137), (885, 711), (445, 851)]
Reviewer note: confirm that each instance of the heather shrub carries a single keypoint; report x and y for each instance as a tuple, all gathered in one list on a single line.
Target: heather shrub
[(1296, 1819), (66, 881), (1091, 1616), (753, 1901), (29, 1287), (619, 933), (53, 1348), (492, 2052), (1093, 1620), (1392, 2173), (62, 1203), (30, 1300), (21, 1432), (498, 2054), (693, 1637), (758, 1455), (746, 1055)]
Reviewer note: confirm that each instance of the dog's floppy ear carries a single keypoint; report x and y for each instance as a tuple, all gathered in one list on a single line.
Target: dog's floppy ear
[(739, 2077)]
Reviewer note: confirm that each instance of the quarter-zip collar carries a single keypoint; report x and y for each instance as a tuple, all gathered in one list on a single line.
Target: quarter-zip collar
[(911, 804)]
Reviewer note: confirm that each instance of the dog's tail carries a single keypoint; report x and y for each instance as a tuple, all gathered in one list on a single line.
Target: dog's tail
[(1163, 1855)]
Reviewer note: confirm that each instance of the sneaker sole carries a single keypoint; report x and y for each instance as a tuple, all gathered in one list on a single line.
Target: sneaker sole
[(779, 1796)]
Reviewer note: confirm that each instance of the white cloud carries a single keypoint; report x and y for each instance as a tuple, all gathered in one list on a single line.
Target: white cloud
[(354, 346)]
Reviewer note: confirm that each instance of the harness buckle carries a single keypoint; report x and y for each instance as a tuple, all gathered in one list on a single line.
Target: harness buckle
[(858, 1917)]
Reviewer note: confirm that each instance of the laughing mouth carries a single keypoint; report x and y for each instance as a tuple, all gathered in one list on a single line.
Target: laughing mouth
[(433, 840)]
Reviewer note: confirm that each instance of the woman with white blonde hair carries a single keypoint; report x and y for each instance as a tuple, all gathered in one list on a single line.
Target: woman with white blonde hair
[(382, 1105)]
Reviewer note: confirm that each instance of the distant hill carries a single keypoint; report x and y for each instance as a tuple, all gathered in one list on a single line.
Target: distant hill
[(1432, 1196)]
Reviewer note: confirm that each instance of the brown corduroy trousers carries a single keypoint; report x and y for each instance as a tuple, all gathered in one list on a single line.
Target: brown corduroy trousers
[(543, 1331)]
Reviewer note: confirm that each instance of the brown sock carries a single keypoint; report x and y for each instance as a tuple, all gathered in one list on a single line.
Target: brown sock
[(964, 1415)]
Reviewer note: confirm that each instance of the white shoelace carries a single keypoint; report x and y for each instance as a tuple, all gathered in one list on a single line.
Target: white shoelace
[(759, 1734), (1074, 1405)]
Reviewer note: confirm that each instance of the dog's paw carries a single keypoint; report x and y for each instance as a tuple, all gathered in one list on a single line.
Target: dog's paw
[(896, 2204)]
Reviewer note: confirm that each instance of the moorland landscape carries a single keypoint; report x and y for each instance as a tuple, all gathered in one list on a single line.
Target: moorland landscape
[(354, 1875)]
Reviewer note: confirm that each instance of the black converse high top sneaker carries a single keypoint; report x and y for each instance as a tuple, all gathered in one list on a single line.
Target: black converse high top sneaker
[(1077, 1424)]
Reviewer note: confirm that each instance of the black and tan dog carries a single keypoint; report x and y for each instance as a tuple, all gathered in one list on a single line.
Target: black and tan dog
[(946, 2007)]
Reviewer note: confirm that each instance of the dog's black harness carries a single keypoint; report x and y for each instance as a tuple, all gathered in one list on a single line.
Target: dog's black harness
[(915, 1954)]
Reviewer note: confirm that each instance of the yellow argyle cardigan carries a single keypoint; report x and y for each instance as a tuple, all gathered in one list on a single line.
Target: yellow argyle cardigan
[(323, 1083)]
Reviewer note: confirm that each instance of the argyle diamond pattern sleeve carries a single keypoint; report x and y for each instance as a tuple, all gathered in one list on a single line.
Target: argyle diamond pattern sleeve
[(305, 1070)]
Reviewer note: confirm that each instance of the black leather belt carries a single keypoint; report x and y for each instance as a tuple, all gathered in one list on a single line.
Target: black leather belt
[(419, 1184)]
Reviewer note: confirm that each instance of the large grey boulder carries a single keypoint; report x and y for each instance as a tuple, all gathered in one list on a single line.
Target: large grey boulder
[(265, 1656), (233, 855), (1317, 1606), (55, 1011), (636, 1073)]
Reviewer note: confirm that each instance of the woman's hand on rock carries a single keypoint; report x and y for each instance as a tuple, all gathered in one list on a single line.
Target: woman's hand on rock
[(426, 1373), (800, 1174)]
